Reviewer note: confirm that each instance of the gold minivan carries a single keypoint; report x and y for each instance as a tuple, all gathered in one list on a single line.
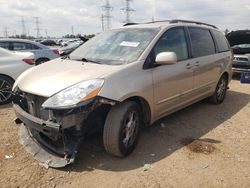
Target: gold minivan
[(117, 82)]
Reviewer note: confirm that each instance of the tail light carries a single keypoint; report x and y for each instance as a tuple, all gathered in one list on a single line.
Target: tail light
[(29, 61), (56, 52)]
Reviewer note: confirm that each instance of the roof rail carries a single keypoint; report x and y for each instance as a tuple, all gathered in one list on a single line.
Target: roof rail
[(173, 21), (188, 21), (127, 24)]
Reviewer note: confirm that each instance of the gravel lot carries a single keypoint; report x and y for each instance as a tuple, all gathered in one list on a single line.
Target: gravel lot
[(201, 146)]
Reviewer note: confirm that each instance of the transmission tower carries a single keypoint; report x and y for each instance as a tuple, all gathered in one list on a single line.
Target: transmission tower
[(23, 26), (37, 27), (6, 32), (102, 19), (107, 16), (128, 10)]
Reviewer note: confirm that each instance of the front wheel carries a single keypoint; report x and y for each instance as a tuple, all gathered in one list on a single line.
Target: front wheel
[(220, 91), (121, 129)]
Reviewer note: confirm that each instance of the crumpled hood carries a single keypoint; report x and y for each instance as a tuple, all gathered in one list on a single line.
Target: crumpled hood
[(51, 77), (238, 37)]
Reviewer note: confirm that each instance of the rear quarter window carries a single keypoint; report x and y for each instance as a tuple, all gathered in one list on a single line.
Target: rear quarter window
[(202, 42), (221, 41)]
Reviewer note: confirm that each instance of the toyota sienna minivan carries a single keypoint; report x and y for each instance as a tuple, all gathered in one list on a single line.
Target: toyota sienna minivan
[(117, 82)]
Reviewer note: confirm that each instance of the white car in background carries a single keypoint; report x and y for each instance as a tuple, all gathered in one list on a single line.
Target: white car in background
[(12, 64), (42, 53)]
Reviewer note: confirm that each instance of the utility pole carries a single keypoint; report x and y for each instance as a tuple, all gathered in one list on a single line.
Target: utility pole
[(6, 32), (72, 29), (102, 18), (107, 16), (37, 27), (128, 10), (46, 33), (23, 26)]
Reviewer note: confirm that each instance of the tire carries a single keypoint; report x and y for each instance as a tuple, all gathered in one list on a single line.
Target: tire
[(116, 138), (41, 60), (220, 91), (6, 85)]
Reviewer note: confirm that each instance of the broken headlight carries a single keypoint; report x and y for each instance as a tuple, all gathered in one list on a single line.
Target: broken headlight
[(74, 95)]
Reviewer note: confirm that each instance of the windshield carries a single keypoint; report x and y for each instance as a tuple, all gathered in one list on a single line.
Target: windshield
[(116, 46)]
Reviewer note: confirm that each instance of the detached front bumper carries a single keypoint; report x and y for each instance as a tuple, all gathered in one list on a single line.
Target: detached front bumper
[(43, 155), (39, 145)]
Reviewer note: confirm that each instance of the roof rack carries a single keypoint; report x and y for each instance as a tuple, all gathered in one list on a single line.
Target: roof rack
[(188, 21), (127, 24), (174, 21)]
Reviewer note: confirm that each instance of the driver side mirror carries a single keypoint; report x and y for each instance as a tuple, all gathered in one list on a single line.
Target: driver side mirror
[(166, 58)]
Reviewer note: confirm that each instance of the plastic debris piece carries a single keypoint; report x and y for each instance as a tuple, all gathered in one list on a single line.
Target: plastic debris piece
[(146, 167)]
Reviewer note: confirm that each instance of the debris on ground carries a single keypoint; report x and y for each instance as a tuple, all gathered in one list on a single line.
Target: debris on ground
[(9, 156), (147, 167)]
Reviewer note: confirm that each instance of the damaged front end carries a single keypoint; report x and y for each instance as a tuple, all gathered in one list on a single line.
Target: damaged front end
[(53, 136)]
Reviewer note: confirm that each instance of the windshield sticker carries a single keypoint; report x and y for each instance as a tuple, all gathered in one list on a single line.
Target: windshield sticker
[(130, 44)]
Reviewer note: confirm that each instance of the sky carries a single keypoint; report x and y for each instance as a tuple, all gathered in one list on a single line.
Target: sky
[(58, 17)]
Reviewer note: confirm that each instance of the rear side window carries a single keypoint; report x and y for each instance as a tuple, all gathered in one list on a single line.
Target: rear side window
[(23, 46), (221, 41), (202, 42)]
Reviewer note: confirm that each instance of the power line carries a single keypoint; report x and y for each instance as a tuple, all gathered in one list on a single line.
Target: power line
[(107, 8), (128, 10), (37, 27)]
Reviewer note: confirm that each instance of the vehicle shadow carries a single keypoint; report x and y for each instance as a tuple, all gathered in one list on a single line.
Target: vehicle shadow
[(6, 106), (163, 138)]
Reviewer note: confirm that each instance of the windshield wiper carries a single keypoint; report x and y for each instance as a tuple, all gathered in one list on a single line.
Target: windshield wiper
[(90, 60)]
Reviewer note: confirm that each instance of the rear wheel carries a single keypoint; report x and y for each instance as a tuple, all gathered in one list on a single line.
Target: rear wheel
[(220, 91), (41, 60), (121, 129), (6, 84)]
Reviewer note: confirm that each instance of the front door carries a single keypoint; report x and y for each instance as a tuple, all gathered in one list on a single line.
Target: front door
[(172, 81)]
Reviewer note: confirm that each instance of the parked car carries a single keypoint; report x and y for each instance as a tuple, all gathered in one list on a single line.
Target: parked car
[(70, 48), (48, 42), (69, 41), (41, 52), (119, 81), (11, 66), (240, 43)]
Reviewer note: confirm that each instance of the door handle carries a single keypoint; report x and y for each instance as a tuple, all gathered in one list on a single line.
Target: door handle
[(189, 66), (197, 64)]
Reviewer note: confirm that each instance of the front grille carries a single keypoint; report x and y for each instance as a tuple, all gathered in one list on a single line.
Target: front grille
[(241, 59), (241, 66), (35, 106)]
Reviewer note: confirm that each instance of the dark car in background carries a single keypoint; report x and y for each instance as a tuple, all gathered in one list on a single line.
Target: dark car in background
[(240, 43), (48, 42), (70, 48)]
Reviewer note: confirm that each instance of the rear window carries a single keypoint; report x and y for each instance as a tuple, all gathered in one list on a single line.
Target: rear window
[(221, 41), (202, 42)]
